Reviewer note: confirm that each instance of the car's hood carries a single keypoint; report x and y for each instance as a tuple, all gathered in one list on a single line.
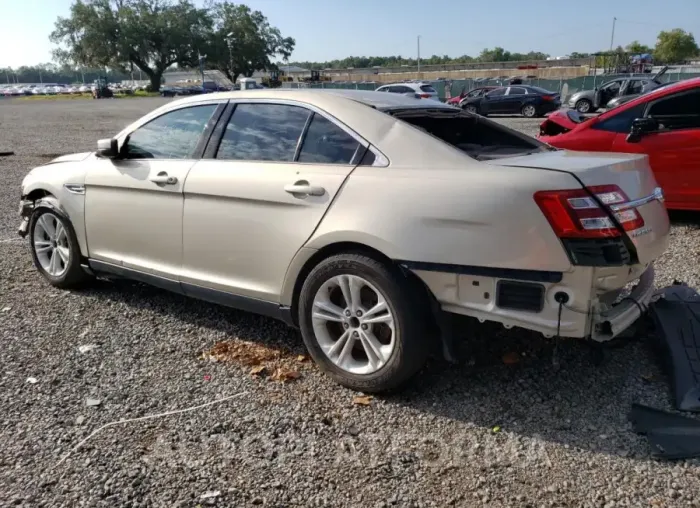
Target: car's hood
[(560, 122), (72, 157)]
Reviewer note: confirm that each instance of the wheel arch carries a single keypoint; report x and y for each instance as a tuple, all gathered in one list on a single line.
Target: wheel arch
[(313, 257)]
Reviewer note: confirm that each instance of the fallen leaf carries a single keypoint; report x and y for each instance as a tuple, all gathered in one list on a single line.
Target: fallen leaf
[(246, 353), (362, 400), (282, 374), (649, 377), (207, 377), (301, 358), (496, 429), (510, 358), (32, 380), (257, 370)]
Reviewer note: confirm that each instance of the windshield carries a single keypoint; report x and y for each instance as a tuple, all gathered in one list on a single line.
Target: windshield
[(478, 137)]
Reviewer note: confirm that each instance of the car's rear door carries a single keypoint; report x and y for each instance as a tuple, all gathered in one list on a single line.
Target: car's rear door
[(674, 151), (254, 200), (133, 204)]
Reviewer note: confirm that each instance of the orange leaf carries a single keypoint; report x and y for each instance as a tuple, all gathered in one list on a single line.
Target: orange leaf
[(301, 358), (284, 375), (362, 400), (511, 358), (259, 369)]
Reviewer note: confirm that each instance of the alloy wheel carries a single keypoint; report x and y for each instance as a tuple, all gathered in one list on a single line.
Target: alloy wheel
[(51, 245), (529, 111), (353, 324)]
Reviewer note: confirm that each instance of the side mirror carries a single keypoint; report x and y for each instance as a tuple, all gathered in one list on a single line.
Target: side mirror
[(107, 148), (641, 127)]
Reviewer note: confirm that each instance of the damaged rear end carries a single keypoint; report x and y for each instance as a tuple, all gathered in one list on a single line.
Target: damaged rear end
[(613, 227)]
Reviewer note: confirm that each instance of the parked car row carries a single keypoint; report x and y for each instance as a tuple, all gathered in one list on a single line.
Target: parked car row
[(28, 90)]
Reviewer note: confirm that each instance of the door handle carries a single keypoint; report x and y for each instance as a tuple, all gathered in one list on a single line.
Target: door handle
[(303, 188), (162, 178)]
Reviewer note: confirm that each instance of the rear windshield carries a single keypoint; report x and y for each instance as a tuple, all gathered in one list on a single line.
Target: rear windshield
[(428, 89), (478, 137)]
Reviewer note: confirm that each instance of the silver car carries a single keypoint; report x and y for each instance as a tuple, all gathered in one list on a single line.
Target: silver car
[(359, 217), (419, 90)]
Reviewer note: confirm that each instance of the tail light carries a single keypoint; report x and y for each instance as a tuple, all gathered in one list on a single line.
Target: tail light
[(547, 97), (425, 96), (576, 214)]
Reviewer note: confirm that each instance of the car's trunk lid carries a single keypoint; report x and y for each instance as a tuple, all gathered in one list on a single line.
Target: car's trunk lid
[(631, 173)]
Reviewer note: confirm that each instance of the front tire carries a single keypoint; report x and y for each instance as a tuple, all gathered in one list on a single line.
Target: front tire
[(54, 246), (584, 106), (470, 108), (362, 323)]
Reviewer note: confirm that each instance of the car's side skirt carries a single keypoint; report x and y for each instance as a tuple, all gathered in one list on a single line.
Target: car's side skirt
[(244, 303)]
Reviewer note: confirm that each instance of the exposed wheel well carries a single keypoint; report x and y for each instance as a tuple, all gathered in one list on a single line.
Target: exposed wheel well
[(347, 248), (37, 194)]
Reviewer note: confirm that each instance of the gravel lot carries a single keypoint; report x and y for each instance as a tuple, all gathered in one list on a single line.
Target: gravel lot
[(563, 439)]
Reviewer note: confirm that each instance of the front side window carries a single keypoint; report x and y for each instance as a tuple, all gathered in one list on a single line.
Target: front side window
[(174, 135), (635, 87), (612, 87), (263, 132), (326, 143), (497, 92), (679, 111), (621, 122)]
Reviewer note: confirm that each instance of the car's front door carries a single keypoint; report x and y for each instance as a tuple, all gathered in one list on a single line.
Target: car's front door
[(492, 101), (133, 204), (513, 101), (607, 92), (254, 204), (674, 150)]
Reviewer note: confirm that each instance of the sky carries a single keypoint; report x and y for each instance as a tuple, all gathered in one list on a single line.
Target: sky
[(333, 29)]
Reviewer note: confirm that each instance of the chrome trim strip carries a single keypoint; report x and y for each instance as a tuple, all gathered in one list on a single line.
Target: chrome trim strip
[(657, 195), (74, 188)]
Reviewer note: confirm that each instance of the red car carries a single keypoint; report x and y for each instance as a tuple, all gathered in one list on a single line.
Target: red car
[(663, 124), (476, 92)]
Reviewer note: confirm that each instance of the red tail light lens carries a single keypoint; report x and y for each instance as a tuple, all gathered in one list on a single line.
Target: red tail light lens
[(547, 98), (425, 96), (576, 214)]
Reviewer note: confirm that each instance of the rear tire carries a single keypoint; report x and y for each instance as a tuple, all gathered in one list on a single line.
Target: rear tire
[(470, 108), (358, 346), (529, 111), (54, 246)]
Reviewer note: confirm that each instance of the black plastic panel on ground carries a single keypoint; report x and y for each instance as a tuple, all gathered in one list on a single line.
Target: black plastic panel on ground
[(677, 319)]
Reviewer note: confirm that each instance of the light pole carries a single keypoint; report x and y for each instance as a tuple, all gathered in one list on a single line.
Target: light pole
[(419, 53), (612, 36), (229, 38)]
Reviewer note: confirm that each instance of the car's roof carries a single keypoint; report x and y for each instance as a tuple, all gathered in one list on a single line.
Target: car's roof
[(322, 97)]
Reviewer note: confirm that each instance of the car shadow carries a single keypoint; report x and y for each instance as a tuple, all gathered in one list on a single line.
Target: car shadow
[(503, 378), (684, 218)]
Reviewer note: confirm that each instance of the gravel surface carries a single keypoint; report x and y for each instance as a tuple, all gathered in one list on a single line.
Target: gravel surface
[(481, 433)]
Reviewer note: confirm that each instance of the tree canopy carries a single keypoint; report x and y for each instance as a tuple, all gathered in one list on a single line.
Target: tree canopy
[(675, 46), (154, 35)]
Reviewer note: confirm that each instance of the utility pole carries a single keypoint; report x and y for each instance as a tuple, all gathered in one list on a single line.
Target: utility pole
[(419, 53), (612, 36)]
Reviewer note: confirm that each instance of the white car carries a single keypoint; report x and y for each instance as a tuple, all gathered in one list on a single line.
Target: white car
[(411, 89), (360, 217)]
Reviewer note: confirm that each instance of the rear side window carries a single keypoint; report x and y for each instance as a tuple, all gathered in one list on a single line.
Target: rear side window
[(326, 143), (263, 132), (173, 135), (428, 89), (515, 90)]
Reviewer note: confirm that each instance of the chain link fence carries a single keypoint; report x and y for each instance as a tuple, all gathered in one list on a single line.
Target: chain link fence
[(458, 85)]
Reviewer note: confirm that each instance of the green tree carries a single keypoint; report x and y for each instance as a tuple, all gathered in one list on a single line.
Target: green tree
[(149, 34), (243, 41), (636, 48), (675, 46)]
